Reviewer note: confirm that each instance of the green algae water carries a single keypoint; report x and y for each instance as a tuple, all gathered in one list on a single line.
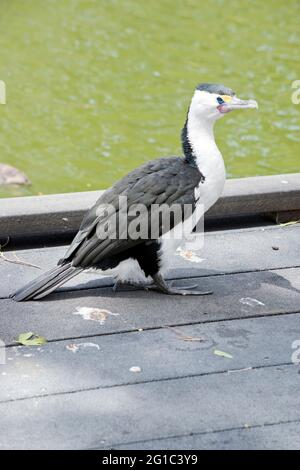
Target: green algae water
[(98, 87)]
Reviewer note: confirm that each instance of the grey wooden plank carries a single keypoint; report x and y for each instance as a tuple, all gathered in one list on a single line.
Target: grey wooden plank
[(282, 436), (108, 417), (105, 361), (62, 213), (225, 252), (273, 292)]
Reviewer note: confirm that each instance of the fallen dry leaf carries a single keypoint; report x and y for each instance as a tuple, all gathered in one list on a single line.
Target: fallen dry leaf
[(217, 352), (31, 339)]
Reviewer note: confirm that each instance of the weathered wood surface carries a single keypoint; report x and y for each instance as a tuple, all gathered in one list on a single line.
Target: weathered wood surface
[(275, 292), (106, 417), (223, 252), (62, 213), (77, 391), (259, 437), (111, 356)]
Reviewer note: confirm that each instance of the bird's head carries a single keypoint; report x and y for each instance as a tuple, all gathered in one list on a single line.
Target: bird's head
[(212, 101)]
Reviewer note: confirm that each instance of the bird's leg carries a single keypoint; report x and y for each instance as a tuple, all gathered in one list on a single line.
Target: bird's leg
[(130, 285), (161, 286)]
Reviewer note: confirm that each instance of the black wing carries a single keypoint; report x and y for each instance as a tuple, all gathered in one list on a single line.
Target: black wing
[(162, 181)]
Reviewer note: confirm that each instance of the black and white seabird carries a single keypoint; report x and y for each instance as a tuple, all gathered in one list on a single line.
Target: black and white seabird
[(196, 178)]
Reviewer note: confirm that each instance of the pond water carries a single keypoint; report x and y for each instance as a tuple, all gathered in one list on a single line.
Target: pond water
[(97, 87)]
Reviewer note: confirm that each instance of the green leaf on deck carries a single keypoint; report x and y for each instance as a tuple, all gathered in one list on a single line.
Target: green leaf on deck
[(222, 353), (31, 339)]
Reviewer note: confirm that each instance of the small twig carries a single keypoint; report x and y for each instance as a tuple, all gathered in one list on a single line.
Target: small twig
[(183, 336), (17, 261), (287, 224)]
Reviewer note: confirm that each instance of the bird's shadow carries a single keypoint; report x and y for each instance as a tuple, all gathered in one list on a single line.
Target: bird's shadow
[(222, 284)]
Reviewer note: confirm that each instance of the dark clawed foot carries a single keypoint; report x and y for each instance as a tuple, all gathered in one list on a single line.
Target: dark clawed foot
[(186, 286), (181, 291), (161, 286)]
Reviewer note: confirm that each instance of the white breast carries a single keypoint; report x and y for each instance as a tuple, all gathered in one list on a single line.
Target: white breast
[(206, 194), (211, 164), (213, 170)]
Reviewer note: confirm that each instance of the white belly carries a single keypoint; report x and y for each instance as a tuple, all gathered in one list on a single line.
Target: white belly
[(128, 270)]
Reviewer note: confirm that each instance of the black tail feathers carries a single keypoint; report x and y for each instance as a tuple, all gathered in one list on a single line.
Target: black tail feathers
[(46, 283)]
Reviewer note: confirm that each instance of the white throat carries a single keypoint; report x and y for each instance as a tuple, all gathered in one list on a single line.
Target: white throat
[(200, 133)]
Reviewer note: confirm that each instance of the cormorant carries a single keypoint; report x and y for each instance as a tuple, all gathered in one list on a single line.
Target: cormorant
[(194, 179)]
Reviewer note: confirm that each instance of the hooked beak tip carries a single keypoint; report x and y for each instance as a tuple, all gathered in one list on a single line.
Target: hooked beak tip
[(237, 103), (253, 104)]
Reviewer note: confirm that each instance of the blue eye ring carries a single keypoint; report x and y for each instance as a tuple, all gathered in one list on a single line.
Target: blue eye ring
[(220, 100)]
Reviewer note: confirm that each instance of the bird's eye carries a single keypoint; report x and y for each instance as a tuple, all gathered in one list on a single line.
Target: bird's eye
[(220, 100)]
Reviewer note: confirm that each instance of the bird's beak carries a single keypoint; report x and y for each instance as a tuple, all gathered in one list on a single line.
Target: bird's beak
[(236, 103)]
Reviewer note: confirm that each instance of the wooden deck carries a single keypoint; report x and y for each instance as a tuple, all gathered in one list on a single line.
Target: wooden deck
[(79, 391), (185, 396)]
